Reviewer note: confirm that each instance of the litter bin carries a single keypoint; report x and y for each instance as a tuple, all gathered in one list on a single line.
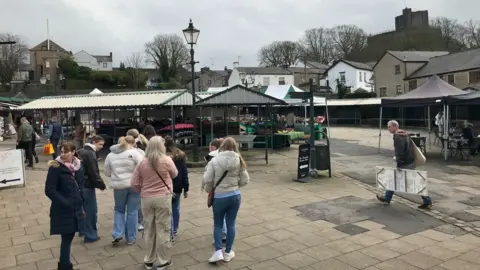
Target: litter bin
[(318, 132), (322, 157)]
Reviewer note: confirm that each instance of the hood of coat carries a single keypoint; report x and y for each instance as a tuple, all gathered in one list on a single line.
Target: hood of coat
[(401, 133), (94, 148), (117, 149), (228, 160), (74, 166), (214, 153)]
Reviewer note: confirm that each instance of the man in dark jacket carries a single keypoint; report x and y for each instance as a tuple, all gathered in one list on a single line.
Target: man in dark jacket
[(405, 159), (88, 155), (55, 133)]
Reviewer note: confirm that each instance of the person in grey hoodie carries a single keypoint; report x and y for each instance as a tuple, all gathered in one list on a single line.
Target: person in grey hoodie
[(225, 174), (405, 159), (119, 167)]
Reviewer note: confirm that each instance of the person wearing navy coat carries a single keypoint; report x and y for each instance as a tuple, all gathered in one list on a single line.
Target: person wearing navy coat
[(63, 187)]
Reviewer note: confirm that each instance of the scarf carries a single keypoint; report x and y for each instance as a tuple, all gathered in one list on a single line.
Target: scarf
[(73, 166)]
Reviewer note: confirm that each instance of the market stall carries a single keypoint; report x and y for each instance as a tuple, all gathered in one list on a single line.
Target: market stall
[(433, 92)]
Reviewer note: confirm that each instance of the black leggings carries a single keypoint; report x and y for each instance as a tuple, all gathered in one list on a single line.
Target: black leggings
[(65, 248)]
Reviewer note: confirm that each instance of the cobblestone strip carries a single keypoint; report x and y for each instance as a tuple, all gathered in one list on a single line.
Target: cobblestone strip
[(434, 213)]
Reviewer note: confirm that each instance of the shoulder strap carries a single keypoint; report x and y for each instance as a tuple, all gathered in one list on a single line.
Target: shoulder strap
[(220, 180), (165, 183)]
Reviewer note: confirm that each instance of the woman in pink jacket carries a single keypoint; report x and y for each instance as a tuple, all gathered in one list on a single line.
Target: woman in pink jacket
[(153, 180)]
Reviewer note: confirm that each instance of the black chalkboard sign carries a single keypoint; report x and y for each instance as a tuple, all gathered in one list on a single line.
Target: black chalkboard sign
[(303, 161)]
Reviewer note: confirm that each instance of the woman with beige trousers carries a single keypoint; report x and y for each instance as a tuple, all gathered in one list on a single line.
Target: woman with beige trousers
[(153, 180)]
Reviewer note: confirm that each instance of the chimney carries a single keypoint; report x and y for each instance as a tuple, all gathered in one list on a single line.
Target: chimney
[(111, 54), (225, 69), (235, 64)]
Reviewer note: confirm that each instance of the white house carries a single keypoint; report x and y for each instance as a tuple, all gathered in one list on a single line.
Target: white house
[(95, 62), (352, 74), (260, 76)]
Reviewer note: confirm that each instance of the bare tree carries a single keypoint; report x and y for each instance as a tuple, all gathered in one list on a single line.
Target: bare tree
[(473, 33), (169, 53), (318, 45), (133, 64), (279, 54), (348, 39), (11, 55), (453, 33)]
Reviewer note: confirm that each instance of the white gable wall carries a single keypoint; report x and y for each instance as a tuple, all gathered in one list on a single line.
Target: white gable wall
[(352, 77), (260, 79), (86, 60)]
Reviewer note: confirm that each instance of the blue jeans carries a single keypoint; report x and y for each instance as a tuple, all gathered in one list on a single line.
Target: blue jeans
[(389, 194), (225, 209), (175, 214), (90, 222), (126, 201), (65, 248)]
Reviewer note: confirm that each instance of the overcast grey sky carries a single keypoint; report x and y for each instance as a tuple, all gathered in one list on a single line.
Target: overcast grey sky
[(228, 28)]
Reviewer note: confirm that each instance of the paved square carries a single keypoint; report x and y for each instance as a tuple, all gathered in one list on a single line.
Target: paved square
[(328, 224)]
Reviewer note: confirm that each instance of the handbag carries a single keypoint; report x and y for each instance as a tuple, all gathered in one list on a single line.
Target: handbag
[(420, 159), (211, 194), (48, 149), (165, 183)]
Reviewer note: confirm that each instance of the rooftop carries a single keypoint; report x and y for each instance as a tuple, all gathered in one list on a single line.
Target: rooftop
[(450, 63)]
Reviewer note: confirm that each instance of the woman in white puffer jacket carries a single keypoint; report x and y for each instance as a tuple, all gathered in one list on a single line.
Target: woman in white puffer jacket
[(119, 167)]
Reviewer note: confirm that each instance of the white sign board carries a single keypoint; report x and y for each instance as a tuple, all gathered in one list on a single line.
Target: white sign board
[(12, 170), (401, 180)]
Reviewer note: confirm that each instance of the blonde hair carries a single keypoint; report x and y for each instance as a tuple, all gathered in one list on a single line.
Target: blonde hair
[(229, 144), (133, 132), (155, 150), (125, 141), (143, 139)]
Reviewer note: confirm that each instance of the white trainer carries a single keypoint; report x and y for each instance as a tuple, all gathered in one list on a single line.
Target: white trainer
[(216, 257), (229, 256)]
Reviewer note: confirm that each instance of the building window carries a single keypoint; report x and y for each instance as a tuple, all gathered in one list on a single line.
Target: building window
[(397, 69), (47, 76), (451, 79), (360, 76), (399, 89), (266, 81), (365, 76), (47, 64), (412, 85), (342, 77), (281, 80), (474, 77), (56, 63), (383, 91), (105, 65)]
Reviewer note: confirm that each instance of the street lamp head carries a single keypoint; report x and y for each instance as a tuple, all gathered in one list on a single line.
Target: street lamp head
[(191, 34)]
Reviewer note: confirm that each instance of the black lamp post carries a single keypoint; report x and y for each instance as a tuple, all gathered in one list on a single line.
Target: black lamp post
[(191, 36)]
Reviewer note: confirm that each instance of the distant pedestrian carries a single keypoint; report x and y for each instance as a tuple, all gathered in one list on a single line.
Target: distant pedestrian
[(153, 180), (119, 167), (226, 174), (35, 137), (64, 188), (149, 132), (55, 135), (180, 183), (405, 159), (25, 139), (79, 135), (88, 155)]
